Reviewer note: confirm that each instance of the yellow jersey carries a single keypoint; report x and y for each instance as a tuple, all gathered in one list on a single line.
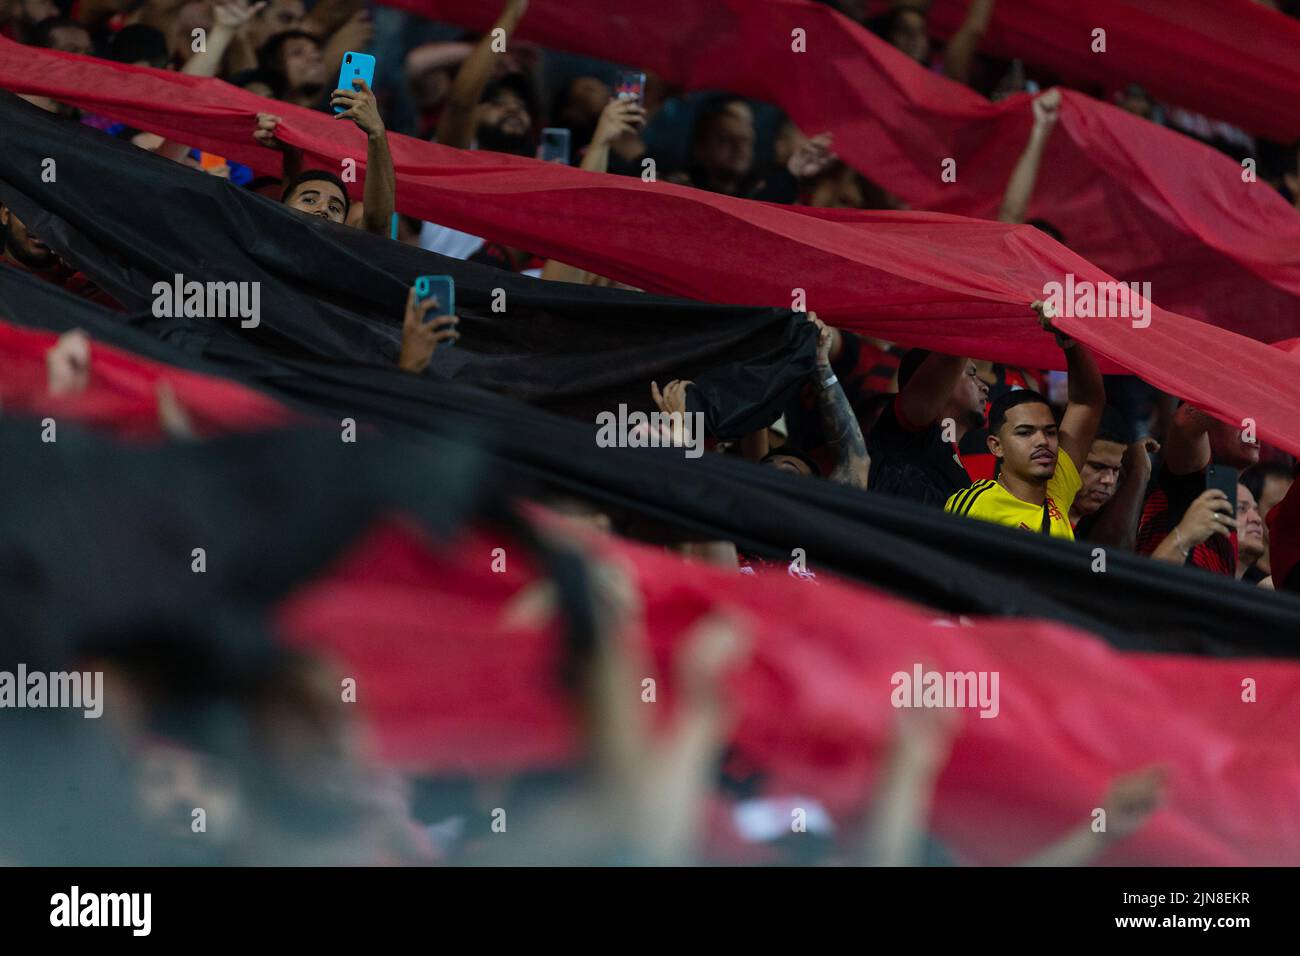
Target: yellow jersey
[(988, 500)]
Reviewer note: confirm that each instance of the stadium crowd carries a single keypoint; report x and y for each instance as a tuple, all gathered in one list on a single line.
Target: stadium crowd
[(1077, 455)]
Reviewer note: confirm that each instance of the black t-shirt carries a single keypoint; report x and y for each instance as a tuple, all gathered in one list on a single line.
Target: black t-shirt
[(913, 462)]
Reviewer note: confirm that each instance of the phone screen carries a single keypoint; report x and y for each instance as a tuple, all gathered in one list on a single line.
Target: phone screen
[(631, 85), (355, 66), (1223, 478), (442, 288), (554, 146)]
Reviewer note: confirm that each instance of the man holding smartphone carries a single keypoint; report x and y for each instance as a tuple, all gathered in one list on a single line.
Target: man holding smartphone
[(319, 192), (421, 335), (1184, 521)]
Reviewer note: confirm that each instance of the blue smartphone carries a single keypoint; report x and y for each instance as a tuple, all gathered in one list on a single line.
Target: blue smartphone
[(355, 66), (441, 288), (554, 146)]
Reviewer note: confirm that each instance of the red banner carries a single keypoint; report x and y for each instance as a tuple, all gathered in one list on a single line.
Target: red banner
[(458, 669), (1232, 60), (460, 677), (957, 285), (1144, 203)]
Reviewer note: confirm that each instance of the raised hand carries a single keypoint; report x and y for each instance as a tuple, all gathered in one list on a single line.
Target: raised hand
[(673, 396), (67, 365), (360, 106), (1210, 514), (235, 14), (1132, 799), (812, 158), (265, 134), (825, 340), (619, 118), (421, 338), (1047, 108)]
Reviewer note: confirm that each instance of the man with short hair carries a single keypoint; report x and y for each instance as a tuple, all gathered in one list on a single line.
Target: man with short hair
[(1037, 477), (321, 193), (1101, 469), (318, 192), (1115, 475), (914, 444)]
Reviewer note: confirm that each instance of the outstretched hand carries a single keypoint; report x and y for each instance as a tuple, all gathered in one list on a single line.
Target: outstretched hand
[(265, 134), (360, 106), (1131, 800), (620, 117), (67, 365), (672, 398), (1046, 314), (812, 158), (421, 338), (1047, 108), (235, 14), (825, 340)]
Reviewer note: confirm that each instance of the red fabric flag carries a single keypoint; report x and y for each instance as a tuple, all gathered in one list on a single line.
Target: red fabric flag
[(459, 665), (121, 392), (1144, 203), (1232, 60), (459, 668), (957, 285)]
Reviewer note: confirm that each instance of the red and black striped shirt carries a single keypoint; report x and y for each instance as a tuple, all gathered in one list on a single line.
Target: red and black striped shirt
[(1170, 497)]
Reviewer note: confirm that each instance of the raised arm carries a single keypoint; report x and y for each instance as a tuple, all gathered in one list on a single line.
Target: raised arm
[(959, 55), (616, 119), (456, 128), (1187, 441), (380, 191), (1020, 187), (926, 393), (1117, 523), (1129, 803), (229, 18), (843, 434), (1087, 392)]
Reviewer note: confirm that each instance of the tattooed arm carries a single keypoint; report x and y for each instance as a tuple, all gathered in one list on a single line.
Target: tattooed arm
[(843, 434)]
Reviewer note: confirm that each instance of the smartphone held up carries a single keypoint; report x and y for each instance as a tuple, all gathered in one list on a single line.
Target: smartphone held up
[(355, 66), (631, 86)]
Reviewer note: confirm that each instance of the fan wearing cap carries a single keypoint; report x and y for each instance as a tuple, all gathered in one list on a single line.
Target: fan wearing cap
[(1038, 478)]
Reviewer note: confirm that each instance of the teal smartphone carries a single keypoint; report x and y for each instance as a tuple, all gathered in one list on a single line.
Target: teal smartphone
[(355, 66), (440, 288)]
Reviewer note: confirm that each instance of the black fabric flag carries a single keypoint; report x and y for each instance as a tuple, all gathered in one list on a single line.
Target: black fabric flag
[(957, 565), (129, 219)]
